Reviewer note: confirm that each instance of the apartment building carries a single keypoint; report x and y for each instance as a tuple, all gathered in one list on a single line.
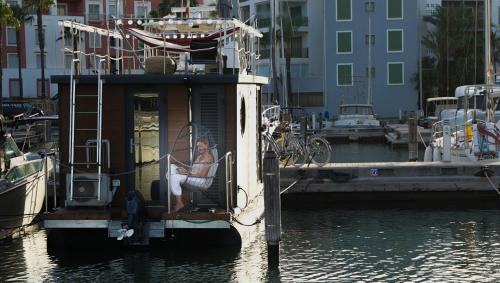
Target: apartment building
[(347, 51), (92, 12)]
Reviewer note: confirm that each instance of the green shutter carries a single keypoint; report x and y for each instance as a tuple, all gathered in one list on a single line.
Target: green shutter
[(394, 9), (343, 10), (344, 74), (395, 73), (344, 42), (395, 40)]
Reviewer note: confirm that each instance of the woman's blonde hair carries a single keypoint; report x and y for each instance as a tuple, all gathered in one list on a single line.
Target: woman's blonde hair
[(202, 139)]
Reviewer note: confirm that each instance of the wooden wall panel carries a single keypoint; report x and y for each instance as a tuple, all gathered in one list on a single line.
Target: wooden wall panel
[(178, 115)]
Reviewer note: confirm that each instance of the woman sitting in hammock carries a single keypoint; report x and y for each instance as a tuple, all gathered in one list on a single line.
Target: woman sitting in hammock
[(195, 175)]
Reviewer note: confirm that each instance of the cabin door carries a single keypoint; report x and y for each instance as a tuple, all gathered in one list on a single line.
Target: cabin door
[(145, 145), (209, 116)]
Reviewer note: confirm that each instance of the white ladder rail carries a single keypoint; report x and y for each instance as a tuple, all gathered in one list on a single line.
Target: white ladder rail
[(73, 129), (99, 129), (71, 154)]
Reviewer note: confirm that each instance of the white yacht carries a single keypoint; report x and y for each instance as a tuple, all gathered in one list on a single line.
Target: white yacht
[(356, 115)]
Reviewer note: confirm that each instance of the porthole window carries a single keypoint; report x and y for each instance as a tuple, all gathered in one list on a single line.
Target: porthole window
[(243, 115)]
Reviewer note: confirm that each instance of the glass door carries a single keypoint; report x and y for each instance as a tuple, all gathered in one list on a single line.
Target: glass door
[(147, 145)]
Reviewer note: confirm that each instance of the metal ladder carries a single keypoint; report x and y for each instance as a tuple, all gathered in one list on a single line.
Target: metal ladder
[(73, 129)]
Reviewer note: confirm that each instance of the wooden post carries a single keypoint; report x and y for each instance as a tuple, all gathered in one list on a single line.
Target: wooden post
[(303, 127), (412, 137), (272, 207)]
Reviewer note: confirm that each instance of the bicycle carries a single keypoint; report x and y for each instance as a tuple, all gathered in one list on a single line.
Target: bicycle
[(318, 149), (287, 147)]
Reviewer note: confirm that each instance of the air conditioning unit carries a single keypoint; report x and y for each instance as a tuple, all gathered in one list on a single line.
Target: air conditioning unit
[(85, 189)]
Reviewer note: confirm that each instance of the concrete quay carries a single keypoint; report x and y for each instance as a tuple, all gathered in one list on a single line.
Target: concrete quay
[(439, 183)]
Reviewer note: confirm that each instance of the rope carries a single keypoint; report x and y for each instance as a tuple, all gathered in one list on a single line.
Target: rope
[(257, 221), (421, 138), (491, 183), (291, 185)]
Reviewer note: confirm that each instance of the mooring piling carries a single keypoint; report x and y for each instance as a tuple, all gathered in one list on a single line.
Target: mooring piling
[(412, 137), (272, 207)]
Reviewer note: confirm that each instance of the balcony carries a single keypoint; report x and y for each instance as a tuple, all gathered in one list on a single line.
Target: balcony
[(299, 53), (265, 53), (263, 22), (300, 21)]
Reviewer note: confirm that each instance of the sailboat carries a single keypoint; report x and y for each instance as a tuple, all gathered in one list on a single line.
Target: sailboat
[(472, 133)]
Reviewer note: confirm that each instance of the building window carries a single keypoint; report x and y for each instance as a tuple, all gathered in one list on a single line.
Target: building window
[(245, 13), (12, 60), (13, 3), (395, 73), (112, 9), (344, 42), (370, 39), (14, 88), (97, 37), (142, 9), (344, 74), (94, 12), (62, 9), (344, 10), (36, 36), (11, 36), (395, 40), (39, 87), (394, 9), (369, 6)]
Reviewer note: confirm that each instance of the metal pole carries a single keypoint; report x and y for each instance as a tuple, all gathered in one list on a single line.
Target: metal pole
[(54, 180), (168, 183), (46, 186), (272, 207)]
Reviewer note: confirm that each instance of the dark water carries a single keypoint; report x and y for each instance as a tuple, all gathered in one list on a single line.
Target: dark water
[(317, 246)]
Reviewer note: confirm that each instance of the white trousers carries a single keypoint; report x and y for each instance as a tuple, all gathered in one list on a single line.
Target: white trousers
[(176, 180)]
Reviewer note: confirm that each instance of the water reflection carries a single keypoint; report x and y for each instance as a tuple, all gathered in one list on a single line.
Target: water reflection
[(388, 245)]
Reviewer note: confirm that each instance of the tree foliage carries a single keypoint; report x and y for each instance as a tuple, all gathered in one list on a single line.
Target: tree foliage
[(165, 6), (456, 44)]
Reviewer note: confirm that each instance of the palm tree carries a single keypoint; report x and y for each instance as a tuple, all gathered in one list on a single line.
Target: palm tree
[(452, 43), (6, 19), (41, 6), (22, 15), (165, 7)]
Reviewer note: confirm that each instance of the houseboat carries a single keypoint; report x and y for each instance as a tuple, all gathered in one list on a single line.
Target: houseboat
[(122, 130)]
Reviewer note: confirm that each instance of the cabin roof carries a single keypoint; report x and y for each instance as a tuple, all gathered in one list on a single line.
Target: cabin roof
[(442, 98), (164, 79)]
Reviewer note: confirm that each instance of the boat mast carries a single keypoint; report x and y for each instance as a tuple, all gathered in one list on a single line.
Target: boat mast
[(487, 43), (369, 95), (488, 66)]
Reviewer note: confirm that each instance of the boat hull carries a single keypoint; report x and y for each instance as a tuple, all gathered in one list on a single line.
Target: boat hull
[(20, 203)]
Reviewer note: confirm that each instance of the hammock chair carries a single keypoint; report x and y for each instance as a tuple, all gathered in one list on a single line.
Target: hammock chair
[(195, 183)]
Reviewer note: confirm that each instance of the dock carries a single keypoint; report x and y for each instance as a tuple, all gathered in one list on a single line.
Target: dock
[(358, 133), (397, 134), (436, 182)]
